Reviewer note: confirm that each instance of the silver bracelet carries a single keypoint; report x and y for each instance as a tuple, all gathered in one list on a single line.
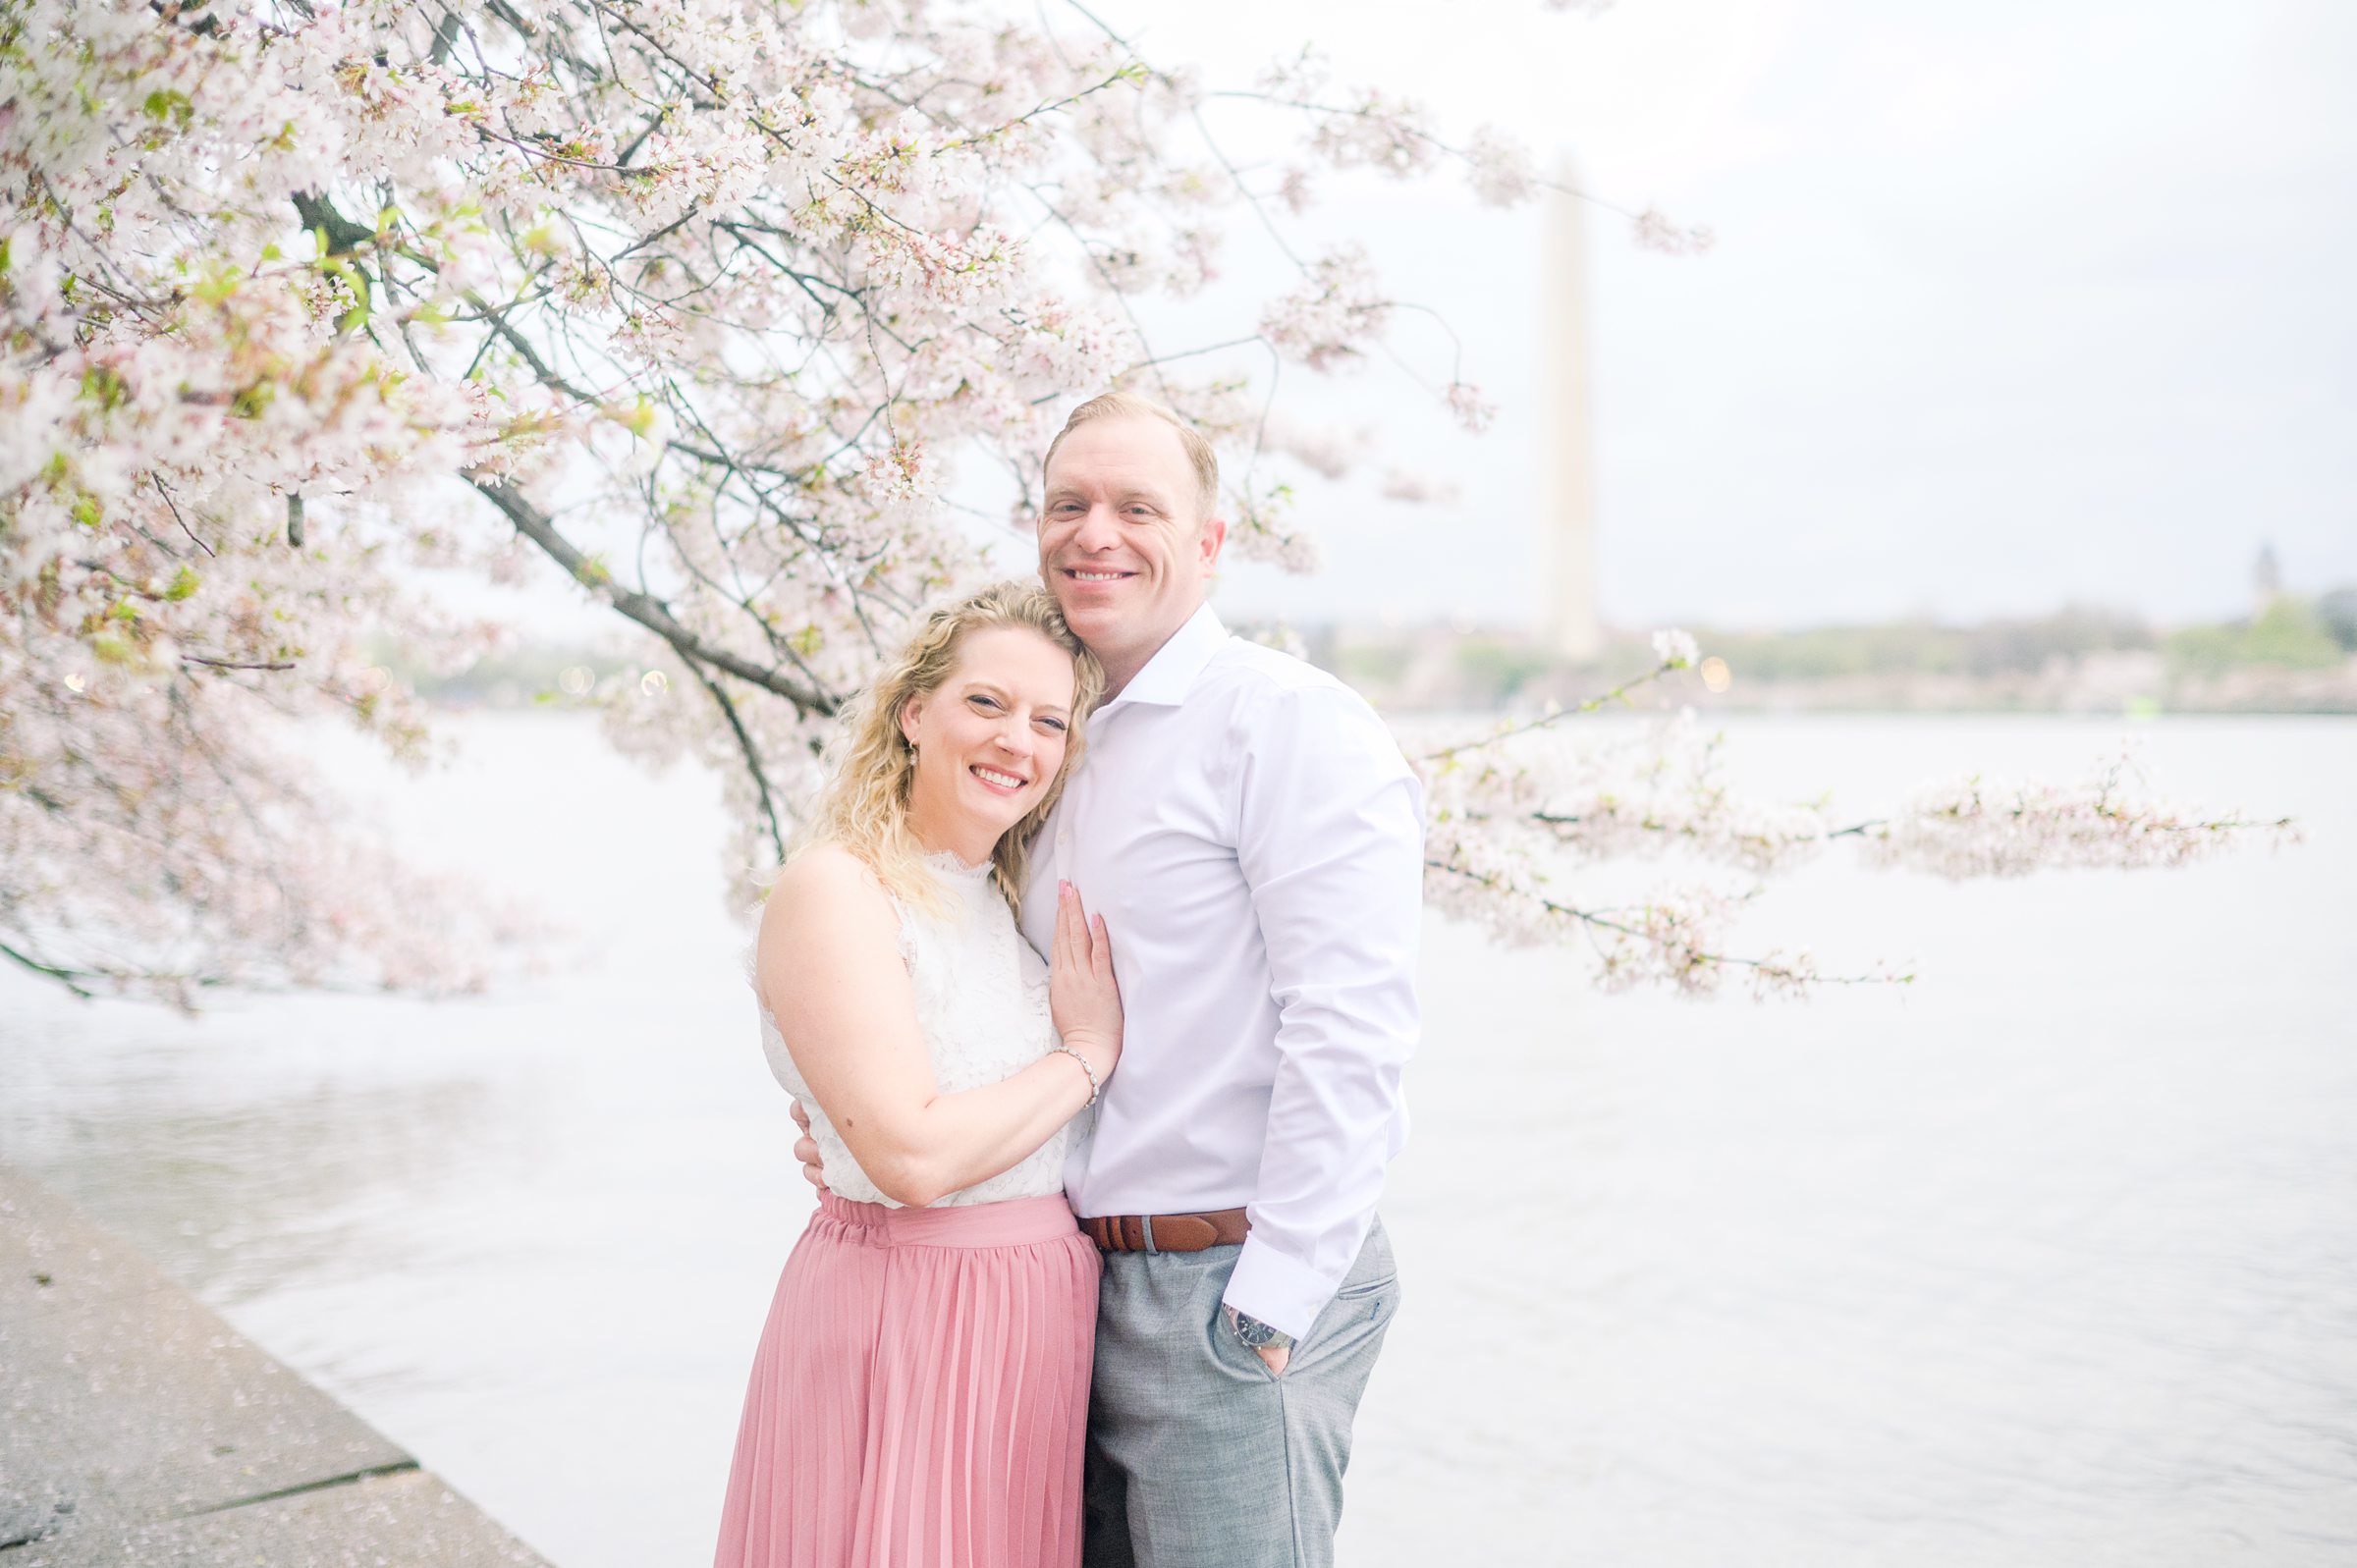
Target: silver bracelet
[(1093, 1086)]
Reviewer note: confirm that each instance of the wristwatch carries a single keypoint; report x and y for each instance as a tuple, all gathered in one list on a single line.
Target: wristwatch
[(1253, 1334)]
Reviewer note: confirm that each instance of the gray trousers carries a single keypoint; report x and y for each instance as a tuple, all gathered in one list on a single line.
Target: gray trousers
[(1197, 1458)]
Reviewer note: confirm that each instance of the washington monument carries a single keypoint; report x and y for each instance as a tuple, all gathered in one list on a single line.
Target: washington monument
[(1567, 461)]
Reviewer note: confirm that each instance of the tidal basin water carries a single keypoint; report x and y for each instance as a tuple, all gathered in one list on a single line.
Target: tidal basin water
[(2050, 1259)]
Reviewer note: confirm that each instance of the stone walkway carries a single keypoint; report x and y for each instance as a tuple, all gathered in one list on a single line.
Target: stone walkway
[(137, 1429)]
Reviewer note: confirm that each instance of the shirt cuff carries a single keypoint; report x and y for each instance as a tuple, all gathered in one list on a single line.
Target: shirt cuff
[(1285, 1295)]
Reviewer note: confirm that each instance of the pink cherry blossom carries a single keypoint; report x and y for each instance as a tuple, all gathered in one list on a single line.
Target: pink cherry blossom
[(702, 309)]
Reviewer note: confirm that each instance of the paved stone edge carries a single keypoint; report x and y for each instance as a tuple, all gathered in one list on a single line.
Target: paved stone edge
[(137, 1427)]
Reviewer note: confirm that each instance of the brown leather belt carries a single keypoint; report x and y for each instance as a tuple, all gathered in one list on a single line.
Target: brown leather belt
[(1167, 1232)]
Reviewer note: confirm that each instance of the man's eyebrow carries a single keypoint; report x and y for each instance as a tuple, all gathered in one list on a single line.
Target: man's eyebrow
[(1135, 492)]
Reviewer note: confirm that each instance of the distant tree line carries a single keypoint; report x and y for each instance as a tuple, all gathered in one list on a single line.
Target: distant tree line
[(1483, 667), (2291, 631)]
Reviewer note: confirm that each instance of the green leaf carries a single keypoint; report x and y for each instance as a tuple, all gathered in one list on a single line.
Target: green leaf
[(217, 287), (102, 386), (640, 419)]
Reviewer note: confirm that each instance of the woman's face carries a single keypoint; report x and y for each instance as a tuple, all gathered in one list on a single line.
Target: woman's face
[(990, 739)]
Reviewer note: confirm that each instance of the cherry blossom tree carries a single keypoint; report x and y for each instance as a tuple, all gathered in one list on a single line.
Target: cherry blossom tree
[(720, 309)]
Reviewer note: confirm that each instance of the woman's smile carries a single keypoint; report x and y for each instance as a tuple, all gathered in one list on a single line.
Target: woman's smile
[(998, 779)]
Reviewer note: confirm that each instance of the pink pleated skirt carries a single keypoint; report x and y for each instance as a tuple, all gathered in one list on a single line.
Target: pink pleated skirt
[(919, 1398)]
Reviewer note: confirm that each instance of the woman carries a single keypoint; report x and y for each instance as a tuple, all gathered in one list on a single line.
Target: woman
[(921, 1391)]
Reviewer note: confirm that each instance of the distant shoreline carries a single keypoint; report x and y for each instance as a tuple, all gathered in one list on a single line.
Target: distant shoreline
[(2292, 656)]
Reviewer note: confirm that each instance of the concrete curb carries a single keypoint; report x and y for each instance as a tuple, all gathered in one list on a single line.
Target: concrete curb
[(137, 1427)]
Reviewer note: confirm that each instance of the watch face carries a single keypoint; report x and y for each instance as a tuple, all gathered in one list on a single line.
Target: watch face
[(1255, 1334)]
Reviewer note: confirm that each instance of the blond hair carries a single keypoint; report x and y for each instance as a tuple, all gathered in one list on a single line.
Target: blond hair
[(1129, 406), (864, 808)]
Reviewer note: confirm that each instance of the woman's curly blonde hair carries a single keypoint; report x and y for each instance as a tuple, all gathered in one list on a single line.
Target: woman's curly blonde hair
[(864, 806)]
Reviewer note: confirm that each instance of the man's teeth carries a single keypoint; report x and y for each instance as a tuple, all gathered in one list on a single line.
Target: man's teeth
[(1100, 577), (1005, 781)]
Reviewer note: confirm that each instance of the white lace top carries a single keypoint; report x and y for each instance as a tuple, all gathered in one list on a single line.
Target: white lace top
[(982, 1002)]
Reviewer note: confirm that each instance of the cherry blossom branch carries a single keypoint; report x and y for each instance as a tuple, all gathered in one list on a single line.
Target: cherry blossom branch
[(1130, 72), (237, 664), (1666, 944), (646, 610), (1677, 652), (71, 979), (1502, 172), (752, 761)]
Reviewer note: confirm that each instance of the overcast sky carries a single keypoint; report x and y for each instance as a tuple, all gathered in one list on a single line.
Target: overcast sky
[(2014, 303)]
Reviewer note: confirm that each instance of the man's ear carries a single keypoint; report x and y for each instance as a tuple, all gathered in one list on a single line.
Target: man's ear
[(1212, 538)]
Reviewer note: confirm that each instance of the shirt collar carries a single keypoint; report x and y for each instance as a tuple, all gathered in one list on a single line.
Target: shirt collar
[(1171, 672)]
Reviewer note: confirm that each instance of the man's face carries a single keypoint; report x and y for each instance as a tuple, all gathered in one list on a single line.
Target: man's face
[(1122, 541)]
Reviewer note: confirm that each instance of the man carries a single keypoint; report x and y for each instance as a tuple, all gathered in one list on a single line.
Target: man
[(1254, 840)]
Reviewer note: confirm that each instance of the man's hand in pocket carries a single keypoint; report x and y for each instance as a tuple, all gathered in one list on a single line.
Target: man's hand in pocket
[(805, 1149)]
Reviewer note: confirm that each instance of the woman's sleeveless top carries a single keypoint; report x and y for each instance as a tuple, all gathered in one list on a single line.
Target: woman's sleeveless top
[(982, 1002)]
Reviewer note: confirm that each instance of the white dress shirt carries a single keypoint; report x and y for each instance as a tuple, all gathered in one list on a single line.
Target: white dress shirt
[(1255, 839)]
